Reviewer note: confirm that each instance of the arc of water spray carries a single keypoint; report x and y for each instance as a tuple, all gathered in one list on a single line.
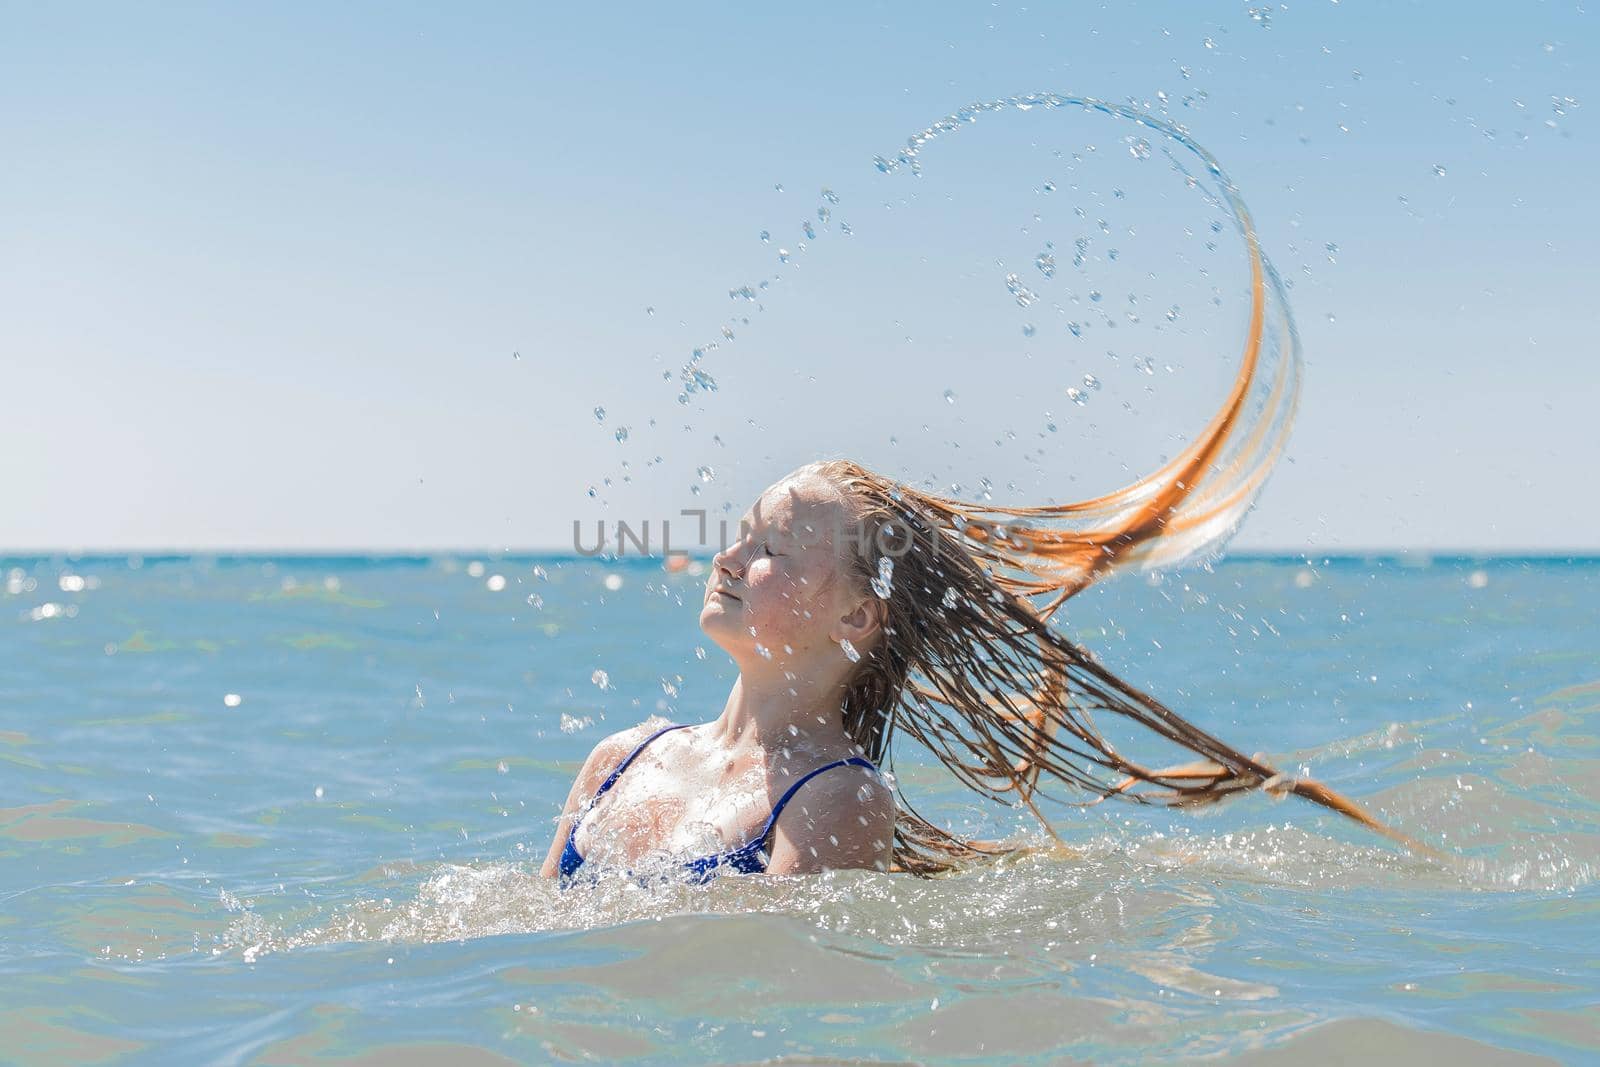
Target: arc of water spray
[(1194, 503)]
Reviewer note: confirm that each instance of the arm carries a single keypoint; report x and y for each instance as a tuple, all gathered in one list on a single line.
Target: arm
[(839, 820), (606, 755)]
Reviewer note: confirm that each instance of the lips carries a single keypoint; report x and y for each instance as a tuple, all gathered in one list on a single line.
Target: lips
[(723, 592)]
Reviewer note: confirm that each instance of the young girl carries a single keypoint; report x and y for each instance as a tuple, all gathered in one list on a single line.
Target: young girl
[(856, 607)]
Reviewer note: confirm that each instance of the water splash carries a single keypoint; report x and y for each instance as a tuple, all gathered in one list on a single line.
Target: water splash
[(1194, 503)]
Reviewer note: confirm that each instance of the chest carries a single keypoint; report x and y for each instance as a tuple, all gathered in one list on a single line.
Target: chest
[(675, 804)]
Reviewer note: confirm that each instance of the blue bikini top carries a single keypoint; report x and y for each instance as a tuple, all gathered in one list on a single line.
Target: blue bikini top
[(748, 858)]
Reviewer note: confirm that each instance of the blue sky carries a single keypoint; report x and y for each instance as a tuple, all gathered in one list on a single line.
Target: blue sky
[(266, 268)]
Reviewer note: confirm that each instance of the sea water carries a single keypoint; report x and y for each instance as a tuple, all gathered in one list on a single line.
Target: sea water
[(291, 810)]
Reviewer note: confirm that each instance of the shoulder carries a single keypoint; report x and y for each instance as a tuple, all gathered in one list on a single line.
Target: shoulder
[(841, 818), (857, 791), (623, 742), (612, 750)]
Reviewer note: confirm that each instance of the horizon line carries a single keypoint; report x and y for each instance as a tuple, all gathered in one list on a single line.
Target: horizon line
[(171, 553)]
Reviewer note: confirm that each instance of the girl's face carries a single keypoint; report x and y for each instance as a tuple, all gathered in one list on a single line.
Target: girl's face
[(776, 595)]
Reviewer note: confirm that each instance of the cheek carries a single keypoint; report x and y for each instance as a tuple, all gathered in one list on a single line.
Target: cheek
[(781, 604)]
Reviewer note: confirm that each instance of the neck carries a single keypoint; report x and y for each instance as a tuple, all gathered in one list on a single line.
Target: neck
[(761, 708)]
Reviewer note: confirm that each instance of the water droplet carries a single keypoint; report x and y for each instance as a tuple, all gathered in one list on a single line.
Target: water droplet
[(1094, 294), (651, 310), (317, 792), (810, 230), (1046, 264), (1028, 329), (601, 679), (1172, 313), (783, 255), (1049, 187), (516, 355), (1438, 169), (823, 215), (706, 473), (621, 434), (883, 584), (763, 651), (949, 599), (232, 700), (1091, 382), (830, 196), (1077, 396), (1139, 149), (699, 652), (613, 582), (849, 650), (765, 236), (1024, 295), (778, 188), (949, 396)]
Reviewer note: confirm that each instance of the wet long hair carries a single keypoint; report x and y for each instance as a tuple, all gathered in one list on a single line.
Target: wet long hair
[(967, 661), (967, 664)]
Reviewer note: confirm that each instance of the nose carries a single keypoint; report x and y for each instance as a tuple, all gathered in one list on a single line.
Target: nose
[(732, 560), (725, 561)]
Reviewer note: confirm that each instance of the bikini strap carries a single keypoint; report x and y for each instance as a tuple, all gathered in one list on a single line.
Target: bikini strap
[(611, 779), (777, 810), (571, 858)]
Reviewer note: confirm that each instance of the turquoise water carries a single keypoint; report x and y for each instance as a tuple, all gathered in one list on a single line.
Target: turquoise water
[(288, 811)]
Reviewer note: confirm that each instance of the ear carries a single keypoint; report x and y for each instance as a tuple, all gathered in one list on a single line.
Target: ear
[(861, 622)]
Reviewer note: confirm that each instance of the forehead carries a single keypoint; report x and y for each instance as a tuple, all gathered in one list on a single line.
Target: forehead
[(799, 503)]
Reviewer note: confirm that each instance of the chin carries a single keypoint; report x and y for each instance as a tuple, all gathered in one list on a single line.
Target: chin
[(715, 617), (724, 628), (724, 637)]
